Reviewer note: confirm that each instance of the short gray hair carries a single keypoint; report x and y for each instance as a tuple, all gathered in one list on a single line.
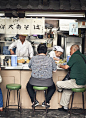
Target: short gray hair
[(76, 47)]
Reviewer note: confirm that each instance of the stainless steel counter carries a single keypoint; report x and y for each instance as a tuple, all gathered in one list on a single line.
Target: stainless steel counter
[(21, 67), (18, 67)]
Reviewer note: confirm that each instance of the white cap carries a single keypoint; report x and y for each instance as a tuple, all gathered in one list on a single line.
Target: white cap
[(58, 48)]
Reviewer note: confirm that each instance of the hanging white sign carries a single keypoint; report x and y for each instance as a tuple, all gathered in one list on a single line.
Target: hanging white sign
[(64, 24), (24, 26), (2, 26), (11, 26), (38, 26)]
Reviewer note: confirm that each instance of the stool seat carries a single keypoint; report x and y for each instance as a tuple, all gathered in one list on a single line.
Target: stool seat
[(13, 86), (40, 88), (75, 90), (79, 89)]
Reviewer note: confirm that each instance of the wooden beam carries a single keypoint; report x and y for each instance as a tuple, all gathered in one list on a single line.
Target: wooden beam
[(45, 2)]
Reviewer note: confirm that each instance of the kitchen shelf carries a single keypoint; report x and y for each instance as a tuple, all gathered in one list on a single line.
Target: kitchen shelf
[(5, 41), (2, 41)]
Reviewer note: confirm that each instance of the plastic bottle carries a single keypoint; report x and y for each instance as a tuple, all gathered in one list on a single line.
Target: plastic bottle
[(9, 62)]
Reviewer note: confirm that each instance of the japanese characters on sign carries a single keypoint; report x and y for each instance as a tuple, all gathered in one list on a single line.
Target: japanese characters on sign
[(11, 26), (37, 26), (2, 26), (22, 26)]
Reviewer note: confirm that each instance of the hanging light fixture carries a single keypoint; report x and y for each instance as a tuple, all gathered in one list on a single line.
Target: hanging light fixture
[(2, 14), (55, 14)]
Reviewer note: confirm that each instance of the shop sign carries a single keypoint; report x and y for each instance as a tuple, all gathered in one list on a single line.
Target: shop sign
[(73, 28), (22, 26)]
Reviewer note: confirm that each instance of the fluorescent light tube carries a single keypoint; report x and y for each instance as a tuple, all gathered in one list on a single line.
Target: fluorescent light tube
[(55, 14), (2, 14)]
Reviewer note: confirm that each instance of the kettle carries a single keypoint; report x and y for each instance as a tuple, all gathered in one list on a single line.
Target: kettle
[(13, 60)]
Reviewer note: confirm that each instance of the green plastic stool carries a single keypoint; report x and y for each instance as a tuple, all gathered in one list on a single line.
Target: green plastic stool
[(39, 88), (10, 87), (78, 90)]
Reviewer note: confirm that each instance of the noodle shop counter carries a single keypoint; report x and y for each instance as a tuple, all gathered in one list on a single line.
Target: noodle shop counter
[(21, 75)]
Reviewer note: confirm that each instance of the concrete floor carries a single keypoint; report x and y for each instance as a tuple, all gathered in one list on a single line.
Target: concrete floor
[(28, 113)]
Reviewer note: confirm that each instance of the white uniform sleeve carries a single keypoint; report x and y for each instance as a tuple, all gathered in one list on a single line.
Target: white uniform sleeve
[(14, 44), (30, 50), (51, 54)]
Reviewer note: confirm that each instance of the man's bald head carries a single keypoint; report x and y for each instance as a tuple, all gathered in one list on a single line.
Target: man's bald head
[(74, 48)]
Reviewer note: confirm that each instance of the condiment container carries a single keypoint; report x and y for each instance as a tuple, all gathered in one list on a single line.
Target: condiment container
[(13, 60)]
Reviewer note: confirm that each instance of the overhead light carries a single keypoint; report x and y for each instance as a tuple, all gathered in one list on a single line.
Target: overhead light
[(2, 14), (57, 19), (55, 14)]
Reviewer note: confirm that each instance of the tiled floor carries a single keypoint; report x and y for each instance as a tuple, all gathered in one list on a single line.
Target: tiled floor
[(28, 113)]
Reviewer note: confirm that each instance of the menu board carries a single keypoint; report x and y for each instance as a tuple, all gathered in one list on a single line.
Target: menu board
[(22, 26)]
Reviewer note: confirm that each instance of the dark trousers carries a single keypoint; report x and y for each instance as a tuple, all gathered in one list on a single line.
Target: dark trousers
[(31, 92), (1, 98)]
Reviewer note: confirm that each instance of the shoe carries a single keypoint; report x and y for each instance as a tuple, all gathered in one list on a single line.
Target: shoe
[(62, 109), (45, 105), (1, 108), (60, 90), (35, 104)]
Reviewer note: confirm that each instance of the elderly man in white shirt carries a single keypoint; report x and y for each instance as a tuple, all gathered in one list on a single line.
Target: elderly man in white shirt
[(23, 47)]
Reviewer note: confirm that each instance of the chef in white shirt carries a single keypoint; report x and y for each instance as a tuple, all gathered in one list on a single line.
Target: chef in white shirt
[(56, 53), (23, 47)]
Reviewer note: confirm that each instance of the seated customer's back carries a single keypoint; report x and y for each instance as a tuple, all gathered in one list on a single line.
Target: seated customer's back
[(42, 67)]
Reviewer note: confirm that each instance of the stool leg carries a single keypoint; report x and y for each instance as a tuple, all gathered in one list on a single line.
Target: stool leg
[(71, 103), (8, 97), (18, 98), (7, 100), (83, 103), (33, 107), (45, 101)]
